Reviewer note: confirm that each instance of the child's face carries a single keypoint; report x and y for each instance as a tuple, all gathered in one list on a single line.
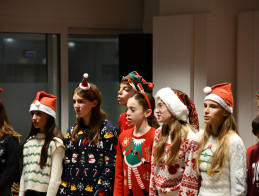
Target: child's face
[(214, 114), (163, 114), (135, 112), (39, 120), (126, 91), (82, 106)]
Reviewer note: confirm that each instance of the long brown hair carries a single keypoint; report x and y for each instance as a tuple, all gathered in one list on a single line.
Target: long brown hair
[(152, 121), (177, 133), (51, 131), (97, 115), (5, 126), (228, 128)]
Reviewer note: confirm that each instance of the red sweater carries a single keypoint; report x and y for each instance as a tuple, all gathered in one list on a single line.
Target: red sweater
[(253, 170), (133, 163), (123, 123)]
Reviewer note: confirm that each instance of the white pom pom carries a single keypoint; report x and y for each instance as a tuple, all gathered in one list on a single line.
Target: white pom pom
[(207, 90), (37, 103), (86, 75)]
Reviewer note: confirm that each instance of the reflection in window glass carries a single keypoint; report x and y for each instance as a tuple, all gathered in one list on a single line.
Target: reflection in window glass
[(97, 56), (24, 68), (23, 57)]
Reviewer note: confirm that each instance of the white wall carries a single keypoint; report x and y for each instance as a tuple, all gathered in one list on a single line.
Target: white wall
[(179, 58), (247, 73), (205, 43)]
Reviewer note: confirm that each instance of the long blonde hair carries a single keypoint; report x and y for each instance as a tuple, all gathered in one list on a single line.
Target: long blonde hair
[(177, 133), (228, 128)]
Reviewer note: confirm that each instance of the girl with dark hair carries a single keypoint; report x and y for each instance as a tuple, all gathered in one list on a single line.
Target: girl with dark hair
[(173, 169), (9, 153), (132, 174), (43, 150), (253, 163), (128, 87), (89, 164)]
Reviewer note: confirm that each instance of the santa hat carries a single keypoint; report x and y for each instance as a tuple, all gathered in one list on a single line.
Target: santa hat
[(85, 85), (180, 105), (44, 102), (134, 79), (220, 93), (257, 94)]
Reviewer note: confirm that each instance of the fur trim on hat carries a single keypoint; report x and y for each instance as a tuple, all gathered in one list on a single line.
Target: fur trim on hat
[(220, 101), (37, 106), (173, 103)]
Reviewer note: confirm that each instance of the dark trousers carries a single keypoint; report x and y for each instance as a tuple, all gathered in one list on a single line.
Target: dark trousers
[(34, 193)]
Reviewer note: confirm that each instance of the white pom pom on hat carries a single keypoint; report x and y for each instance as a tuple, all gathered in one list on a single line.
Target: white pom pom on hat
[(222, 94), (84, 84), (44, 102), (207, 90), (86, 75)]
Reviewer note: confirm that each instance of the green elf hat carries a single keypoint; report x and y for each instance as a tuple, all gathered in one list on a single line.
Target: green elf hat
[(134, 79)]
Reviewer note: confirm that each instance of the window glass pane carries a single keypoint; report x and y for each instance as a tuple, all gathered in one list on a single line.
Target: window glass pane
[(97, 56), (23, 57), (23, 72)]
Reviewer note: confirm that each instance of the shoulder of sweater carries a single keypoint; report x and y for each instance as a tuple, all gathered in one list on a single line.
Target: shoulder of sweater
[(235, 139), (192, 136), (107, 126), (236, 143), (126, 132), (200, 133), (58, 141)]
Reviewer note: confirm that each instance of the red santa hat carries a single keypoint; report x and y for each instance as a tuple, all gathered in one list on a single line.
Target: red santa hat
[(257, 95), (44, 102), (85, 85), (180, 105), (222, 94)]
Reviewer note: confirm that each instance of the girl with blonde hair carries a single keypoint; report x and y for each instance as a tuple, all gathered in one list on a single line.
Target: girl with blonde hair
[(175, 145), (222, 153)]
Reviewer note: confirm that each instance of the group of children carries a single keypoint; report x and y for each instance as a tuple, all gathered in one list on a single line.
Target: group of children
[(158, 149)]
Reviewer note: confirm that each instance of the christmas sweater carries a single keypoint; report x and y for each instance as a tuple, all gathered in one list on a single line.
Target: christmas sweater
[(123, 123), (9, 161), (181, 178), (48, 178), (248, 152), (232, 180), (253, 172), (90, 169), (133, 164)]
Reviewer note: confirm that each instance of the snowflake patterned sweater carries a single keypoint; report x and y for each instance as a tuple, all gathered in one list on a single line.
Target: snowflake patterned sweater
[(133, 165), (90, 169), (123, 123), (232, 180), (33, 177), (181, 178)]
